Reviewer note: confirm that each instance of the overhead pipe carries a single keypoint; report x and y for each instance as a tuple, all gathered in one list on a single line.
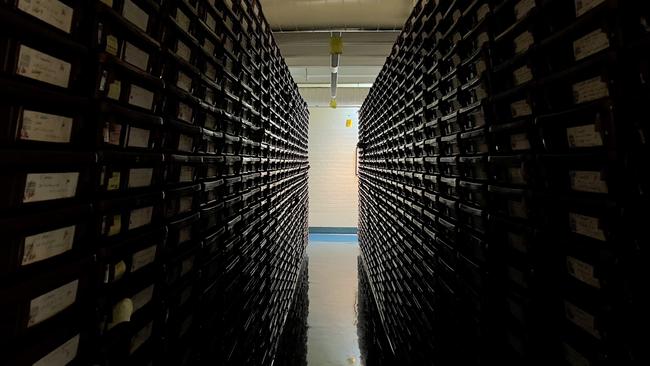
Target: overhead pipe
[(336, 49)]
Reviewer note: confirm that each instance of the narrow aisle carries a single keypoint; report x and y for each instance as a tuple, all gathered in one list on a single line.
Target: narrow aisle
[(332, 335)]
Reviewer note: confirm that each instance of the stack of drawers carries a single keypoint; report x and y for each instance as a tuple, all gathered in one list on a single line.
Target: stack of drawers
[(154, 169), (501, 190), (46, 263)]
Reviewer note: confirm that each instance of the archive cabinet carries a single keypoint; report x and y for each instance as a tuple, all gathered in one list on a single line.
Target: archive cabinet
[(495, 144), (151, 152)]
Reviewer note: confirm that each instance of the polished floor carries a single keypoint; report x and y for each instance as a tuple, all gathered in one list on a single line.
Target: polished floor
[(332, 336)]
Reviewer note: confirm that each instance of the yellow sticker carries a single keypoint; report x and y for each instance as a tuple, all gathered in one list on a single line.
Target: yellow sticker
[(108, 2), (115, 89), (116, 226), (120, 270), (111, 45), (348, 123), (113, 182)]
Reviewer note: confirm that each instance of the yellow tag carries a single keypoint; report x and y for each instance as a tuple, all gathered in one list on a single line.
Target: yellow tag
[(120, 270), (333, 103), (108, 2), (117, 225), (114, 90), (336, 45), (122, 312), (111, 45), (114, 182), (348, 123)]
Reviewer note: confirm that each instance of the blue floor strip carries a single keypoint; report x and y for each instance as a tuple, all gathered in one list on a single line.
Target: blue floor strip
[(333, 238)]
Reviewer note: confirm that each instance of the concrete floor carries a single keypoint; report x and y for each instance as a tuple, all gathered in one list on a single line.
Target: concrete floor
[(332, 335)]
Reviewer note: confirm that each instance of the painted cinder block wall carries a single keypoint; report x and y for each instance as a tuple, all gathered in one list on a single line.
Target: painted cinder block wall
[(333, 185)]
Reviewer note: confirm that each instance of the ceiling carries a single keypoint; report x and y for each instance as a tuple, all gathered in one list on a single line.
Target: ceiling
[(303, 29)]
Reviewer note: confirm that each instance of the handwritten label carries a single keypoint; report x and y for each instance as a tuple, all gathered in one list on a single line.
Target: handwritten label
[(183, 20), (588, 181), (143, 258), (185, 204), (138, 137), (52, 12), (114, 90), (52, 303), (582, 271), (211, 22), (581, 318), (185, 235), (39, 126), (185, 112), (588, 90), (62, 355), (522, 75), (140, 177), (584, 136), (136, 56), (50, 186), (208, 46), (187, 174), (47, 245), (142, 298), (185, 143), (523, 42), (40, 66), (587, 226), (183, 51), (519, 142), (520, 108), (141, 97), (112, 44), (184, 81), (140, 217), (135, 15), (523, 8), (590, 44)]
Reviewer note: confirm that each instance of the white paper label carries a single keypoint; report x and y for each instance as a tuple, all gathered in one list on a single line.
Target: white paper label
[(140, 217), (183, 51), (52, 303), (522, 75), (520, 108), (581, 318), (588, 181), (184, 81), (523, 42), (523, 8), (583, 6), (584, 136), (208, 46), (135, 15), (62, 355), (47, 245), (43, 67), (185, 143), (183, 20), (140, 337), (50, 186), (582, 271), (185, 234), (141, 97), (52, 12), (212, 171), (187, 174), (142, 298), (185, 112), (38, 126), (588, 90), (482, 11), (185, 204), (143, 258), (140, 177), (587, 226), (519, 142), (590, 44), (211, 22), (138, 137), (136, 56), (112, 44), (573, 357)]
